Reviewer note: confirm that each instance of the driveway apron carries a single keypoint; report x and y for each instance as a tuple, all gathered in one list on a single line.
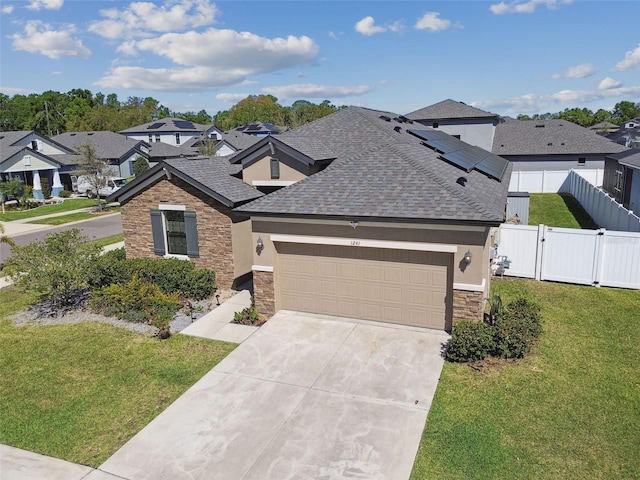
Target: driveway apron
[(305, 397)]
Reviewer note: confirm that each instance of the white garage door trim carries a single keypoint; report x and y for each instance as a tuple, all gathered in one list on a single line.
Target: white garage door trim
[(361, 242)]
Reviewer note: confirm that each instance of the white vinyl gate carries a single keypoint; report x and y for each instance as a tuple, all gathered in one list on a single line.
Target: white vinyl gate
[(587, 257)]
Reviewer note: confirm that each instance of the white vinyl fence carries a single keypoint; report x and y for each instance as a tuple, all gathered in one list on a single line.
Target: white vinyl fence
[(604, 210), (589, 257), (550, 181)]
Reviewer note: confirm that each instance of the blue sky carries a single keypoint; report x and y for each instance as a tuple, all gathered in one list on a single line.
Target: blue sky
[(504, 56)]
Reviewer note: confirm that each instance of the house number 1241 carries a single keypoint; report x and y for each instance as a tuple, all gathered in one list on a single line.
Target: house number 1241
[(355, 243)]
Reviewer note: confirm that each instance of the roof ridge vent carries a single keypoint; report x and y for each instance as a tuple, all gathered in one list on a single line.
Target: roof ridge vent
[(385, 118)]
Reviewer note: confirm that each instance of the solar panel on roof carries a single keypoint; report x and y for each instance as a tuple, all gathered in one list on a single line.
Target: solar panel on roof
[(183, 124), (446, 145), (463, 159), (493, 166), (155, 125)]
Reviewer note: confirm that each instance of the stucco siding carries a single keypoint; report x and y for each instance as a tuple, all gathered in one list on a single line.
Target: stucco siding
[(242, 247), (260, 170)]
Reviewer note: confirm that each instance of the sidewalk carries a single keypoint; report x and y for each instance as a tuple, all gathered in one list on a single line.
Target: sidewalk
[(18, 464)]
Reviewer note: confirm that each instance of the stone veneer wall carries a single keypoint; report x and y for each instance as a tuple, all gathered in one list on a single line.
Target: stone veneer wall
[(264, 293), (467, 305), (213, 220)]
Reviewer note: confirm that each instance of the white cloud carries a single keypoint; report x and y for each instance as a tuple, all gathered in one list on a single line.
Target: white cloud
[(367, 27), (41, 38), (55, 72), (579, 71), (631, 60), (232, 97), (194, 79), (309, 90), (12, 90), (529, 6), (609, 83), (534, 103), (140, 18), (46, 4), (431, 21), (7, 9)]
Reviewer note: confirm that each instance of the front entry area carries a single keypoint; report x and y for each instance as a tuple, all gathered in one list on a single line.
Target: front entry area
[(385, 285)]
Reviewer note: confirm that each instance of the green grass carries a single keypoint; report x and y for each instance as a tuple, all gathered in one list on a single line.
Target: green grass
[(558, 210), (80, 391), (74, 217), (570, 410), (109, 240), (68, 204)]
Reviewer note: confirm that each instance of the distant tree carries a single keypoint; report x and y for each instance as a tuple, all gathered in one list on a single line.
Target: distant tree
[(623, 111), (55, 267), (209, 147), (92, 168), (140, 165), (202, 117)]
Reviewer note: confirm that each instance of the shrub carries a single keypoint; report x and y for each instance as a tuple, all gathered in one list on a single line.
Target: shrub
[(516, 329), (140, 165), (470, 341), (64, 194), (136, 301), (171, 275), (46, 188)]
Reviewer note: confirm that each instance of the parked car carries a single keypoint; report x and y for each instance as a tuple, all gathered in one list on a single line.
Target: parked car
[(83, 186)]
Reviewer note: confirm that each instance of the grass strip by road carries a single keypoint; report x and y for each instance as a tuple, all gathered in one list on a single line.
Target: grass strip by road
[(558, 210), (74, 217), (67, 205), (570, 410), (80, 391), (103, 242)]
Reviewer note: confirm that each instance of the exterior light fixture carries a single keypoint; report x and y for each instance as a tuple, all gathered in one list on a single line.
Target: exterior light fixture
[(259, 246), (353, 224), (218, 300), (467, 257)]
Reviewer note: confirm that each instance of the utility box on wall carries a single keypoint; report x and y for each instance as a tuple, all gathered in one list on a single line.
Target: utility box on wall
[(518, 208)]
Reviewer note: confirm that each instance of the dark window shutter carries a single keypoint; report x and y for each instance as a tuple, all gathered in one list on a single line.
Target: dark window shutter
[(158, 232), (191, 228), (275, 168)]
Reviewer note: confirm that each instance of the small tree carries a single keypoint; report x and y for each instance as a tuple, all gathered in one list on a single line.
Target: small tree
[(140, 165), (92, 168), (4, 238), (55, 267), (209, 147), (12, 188)]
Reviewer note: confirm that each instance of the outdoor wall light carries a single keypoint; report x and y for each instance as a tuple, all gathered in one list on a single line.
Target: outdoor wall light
[(467, 257), (259, 246), (353, 224)]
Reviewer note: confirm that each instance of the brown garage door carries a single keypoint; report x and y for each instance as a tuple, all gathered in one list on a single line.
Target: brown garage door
[(395, 286)]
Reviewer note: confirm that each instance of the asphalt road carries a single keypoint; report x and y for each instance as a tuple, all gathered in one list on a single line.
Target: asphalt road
[(95, 229)]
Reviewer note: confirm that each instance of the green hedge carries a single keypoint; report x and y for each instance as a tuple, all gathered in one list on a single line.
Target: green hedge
[(171, 275)]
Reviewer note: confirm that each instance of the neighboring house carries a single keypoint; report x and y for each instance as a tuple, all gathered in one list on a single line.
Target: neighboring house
[(182, 208), (172, 131), (628, 134), (119, 151), (604, 128), (622, 178), (227, 144), (29, 156), (378, 223), (460, 120), (543, 152), (259, 129), (162, 151)]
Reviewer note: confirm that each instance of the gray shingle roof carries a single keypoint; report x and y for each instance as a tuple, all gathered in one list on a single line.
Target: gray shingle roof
[(239, 140), (385, 173), (167, 125), (629, 157), (449, 109), (159, 151), (549, 137), (8, 149), (108, 145), (259, 128)]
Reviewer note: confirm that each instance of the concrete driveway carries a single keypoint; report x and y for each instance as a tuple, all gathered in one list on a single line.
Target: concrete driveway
[(305, 397)]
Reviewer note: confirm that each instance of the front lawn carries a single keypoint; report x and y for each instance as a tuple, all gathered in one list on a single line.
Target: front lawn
[(74, 217), (558, 210), (80, 391), (570, 410), (67, 205)]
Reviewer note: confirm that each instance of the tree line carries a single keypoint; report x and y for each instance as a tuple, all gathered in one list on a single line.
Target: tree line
[(621, 112), (52, 113)]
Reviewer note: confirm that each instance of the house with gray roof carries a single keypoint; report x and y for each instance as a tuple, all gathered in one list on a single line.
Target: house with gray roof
[(172, 131), (380, 219), (259, 129), (463, 121), (32, 157), (628, 134), (622, 178), (543, 152), (118, 150)]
